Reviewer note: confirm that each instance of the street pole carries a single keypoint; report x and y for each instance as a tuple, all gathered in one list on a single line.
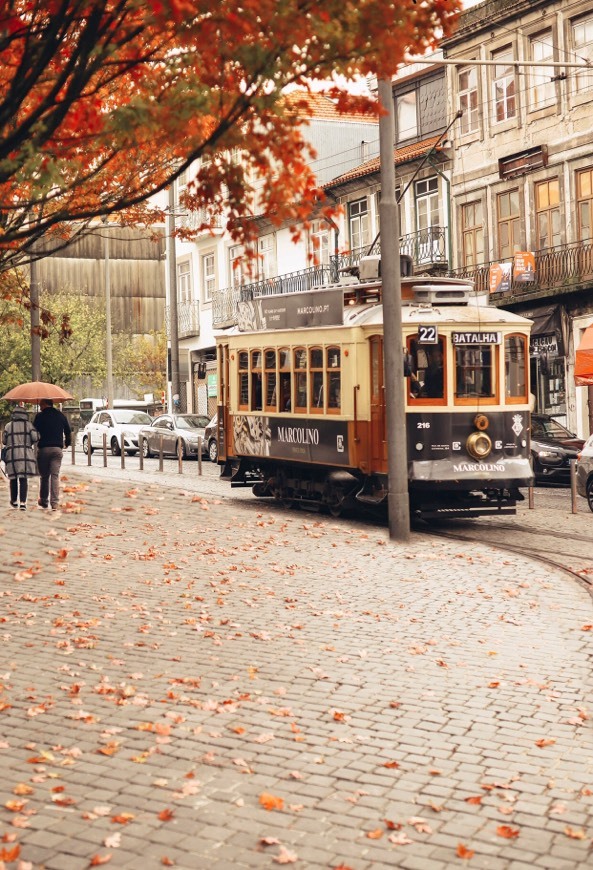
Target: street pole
[(35, 319), (395, 410), (108, 337), (173, 322)]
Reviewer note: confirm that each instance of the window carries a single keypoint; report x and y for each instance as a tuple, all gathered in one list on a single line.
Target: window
[(503, 86), (427, 218), (256, 381), (474, 372), (319, 242), (266, 247), (509, 224), (359, 224), (515, 368), (547, 206), (427, 379), (472, 233), (284, 375), (582, 40), (270, 380), (243, 359), (236, 265), (334, 380), (468, 99), (316, 380), (407, 125), (300, 380), (184, 282), (542, 86), (585, 203), (209, 276)]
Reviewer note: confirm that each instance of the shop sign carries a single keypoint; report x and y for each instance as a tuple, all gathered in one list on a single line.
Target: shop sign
[(544, 344), (211, 385), (501, 275), (524, 267), (476, 337)]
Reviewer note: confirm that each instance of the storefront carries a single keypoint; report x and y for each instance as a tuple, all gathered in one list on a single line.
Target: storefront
[(547, 353)]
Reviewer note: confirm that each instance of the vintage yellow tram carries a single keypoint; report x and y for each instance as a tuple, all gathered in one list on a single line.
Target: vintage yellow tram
[(302, 401)]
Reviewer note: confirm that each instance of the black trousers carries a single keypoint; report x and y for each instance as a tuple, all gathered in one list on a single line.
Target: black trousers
[(19, 486)]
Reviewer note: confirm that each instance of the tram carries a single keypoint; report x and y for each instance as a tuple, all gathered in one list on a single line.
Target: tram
[(302, 415)]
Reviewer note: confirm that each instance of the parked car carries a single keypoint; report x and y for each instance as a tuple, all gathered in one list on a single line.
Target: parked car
[(585, 472), (114, 424), (552, 448), (211, 438), (174, 429)]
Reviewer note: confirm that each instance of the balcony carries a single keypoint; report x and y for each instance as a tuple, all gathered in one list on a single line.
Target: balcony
[(188, 319), (563, 269), (426, 248)]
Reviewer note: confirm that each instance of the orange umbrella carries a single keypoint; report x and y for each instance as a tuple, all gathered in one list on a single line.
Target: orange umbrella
[(583, 364), (36, 390)]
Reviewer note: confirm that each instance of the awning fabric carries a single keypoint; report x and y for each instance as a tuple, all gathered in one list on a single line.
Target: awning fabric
[(583, 365)]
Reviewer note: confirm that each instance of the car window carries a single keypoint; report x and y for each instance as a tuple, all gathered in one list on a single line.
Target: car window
[(135, 418), (161, 422), (191, 421), (553, 429)]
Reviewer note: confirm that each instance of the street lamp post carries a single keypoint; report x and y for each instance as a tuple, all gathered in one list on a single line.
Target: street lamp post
[(397, 460), (108, 339)]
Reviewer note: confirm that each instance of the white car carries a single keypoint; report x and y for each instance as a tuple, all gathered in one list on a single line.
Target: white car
[(585, 472), (114, 424)]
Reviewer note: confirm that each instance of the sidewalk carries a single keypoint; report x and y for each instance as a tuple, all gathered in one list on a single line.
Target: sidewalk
[(194, 682)]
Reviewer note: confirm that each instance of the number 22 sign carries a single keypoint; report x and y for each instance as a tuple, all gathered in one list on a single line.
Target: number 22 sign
[(428, 334)]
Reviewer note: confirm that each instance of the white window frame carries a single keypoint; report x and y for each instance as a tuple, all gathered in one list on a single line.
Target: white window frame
[(359, 223), (319, 242), (407, 116), (184, 282), (543, 92), (582, 45), (208, 275), (236, 254), (504, 86), (266, 249), (468, 99)]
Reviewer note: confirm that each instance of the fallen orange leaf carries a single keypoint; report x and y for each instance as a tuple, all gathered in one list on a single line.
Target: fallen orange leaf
[(270, 801), (375, 835), (507, 832), (165, 815), (464, 852), (97, 860), (473, 800), (9, 855)]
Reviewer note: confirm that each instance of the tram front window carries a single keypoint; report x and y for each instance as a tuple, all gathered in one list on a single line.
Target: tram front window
[(473, 372)]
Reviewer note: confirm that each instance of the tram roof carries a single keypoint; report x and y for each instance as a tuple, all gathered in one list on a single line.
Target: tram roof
[(372, 315)]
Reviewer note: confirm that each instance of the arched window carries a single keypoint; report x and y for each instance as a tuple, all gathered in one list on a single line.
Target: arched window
[(256, 380), (334, 380), (243, 358), (270, 376), (300, 379), (285, 399), (515, 369), (316, 394)]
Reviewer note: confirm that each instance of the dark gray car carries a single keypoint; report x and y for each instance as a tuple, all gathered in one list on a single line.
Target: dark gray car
[(211, 436), (174, 431)]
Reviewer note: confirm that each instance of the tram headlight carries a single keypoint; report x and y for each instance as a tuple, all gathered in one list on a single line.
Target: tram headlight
[(479, 445)]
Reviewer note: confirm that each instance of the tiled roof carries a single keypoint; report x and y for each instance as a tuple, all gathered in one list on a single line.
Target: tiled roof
[(321, 107), (400, 155)]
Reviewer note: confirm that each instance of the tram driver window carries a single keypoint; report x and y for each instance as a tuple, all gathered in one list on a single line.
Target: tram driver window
[(515, 368), (474, 372)]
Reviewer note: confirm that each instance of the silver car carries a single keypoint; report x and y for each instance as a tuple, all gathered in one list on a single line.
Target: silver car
[(174, 431), (585, 472), (114, 424)]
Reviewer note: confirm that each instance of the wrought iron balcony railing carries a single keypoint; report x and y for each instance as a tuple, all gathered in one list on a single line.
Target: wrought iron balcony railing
[(188, 319), (425, 248), (564, 266)]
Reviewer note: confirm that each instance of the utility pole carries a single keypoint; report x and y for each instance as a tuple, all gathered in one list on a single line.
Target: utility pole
[(35, 335), (108, 336), (398, 499), (173, 322)]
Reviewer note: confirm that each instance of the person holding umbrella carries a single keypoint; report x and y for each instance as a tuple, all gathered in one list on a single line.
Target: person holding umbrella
[(54, 433), (19, 438)]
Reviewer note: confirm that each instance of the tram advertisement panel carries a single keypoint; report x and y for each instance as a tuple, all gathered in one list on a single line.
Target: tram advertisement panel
[(444, 436), (302, 440)]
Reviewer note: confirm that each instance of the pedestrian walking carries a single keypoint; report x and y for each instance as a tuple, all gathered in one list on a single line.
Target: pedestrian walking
[(19, 438), (54, 434)]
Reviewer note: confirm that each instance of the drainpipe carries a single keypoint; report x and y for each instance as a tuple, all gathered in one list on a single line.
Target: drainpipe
[(448, 203), (336, 229)]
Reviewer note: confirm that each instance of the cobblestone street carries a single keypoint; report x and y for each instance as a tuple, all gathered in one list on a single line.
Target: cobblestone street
[(194, 682)]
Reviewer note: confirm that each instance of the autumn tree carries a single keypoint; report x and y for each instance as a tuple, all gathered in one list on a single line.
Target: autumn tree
[(142, 362), (104, 102)]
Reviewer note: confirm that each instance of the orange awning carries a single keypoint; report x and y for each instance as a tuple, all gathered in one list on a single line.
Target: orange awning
[(583, 364)]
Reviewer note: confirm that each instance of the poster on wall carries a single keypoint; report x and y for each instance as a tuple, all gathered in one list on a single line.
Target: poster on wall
[(524, 267), (501, 275)]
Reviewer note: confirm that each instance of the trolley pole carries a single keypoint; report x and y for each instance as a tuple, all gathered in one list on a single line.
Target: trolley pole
[(397, 459)]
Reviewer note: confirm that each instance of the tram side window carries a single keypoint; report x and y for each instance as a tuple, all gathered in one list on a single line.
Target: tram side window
[(427, 377), (284, 376), (243, 380), (515, 368), (316, 383), (256, 380), (270, 380), (300, 380), (474, 371), (334, 379)]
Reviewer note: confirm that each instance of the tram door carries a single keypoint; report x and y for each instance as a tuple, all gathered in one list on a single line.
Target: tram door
[(378, 440)]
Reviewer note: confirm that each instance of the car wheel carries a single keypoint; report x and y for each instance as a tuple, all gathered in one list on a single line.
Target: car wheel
[(183, 448), (86, 445), (590, 493), (115, 448), (146, 449), (213, 450)]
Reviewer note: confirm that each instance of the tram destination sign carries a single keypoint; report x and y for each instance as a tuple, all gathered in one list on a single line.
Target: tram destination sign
[(292, 310), (476, 337)]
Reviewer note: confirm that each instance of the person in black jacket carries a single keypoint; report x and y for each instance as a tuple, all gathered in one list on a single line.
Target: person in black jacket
[(54, 434)]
